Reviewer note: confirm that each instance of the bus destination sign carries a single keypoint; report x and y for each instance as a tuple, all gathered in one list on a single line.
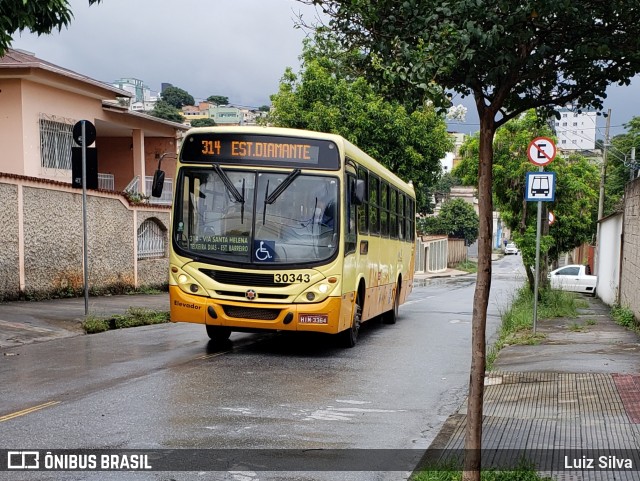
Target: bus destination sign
[(259, 150), (262, 150)]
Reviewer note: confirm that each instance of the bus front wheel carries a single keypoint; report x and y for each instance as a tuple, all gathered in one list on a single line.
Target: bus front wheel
[(349, 336), (218, 333)]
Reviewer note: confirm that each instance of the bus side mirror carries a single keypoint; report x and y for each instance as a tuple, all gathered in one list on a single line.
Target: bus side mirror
[(357, 194), (158, 183)]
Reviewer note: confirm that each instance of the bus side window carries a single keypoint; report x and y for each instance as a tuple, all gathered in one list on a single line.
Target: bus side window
[(393, 217), (350, 237), (363, 210)]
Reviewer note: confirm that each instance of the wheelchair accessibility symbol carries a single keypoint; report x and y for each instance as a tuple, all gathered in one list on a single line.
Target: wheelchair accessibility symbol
[(264, 251)]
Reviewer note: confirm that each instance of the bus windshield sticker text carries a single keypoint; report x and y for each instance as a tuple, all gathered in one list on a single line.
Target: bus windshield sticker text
[(219, 243), (284, 278)]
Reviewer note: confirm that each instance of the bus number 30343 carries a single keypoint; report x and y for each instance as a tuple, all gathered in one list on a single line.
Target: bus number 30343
[(291, 278)]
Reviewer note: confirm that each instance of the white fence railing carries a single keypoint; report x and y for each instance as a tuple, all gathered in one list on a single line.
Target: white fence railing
[(106, 181), (167, 191)]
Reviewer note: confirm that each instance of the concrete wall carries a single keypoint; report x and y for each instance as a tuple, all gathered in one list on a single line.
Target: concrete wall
[(42, 239), (9, 254), (608, 261), (630, 278)]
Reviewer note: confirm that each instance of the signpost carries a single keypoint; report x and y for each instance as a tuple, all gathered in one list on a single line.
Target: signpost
[(541, 187), (84, 133)]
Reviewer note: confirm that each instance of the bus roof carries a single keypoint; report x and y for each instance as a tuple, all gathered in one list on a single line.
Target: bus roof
[(347, 149)]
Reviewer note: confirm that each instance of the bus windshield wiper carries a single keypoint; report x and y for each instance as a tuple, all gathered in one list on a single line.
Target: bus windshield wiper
[(271, 198), (232, 188)]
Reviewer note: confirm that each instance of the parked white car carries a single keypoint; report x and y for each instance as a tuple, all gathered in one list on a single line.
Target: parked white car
[(574, 278), (510, 248)]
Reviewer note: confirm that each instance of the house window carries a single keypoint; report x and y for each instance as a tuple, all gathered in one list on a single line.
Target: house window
[(56, 139), (151, 240)]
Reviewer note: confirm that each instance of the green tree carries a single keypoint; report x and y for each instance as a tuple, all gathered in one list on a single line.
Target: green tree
[(41, 17), (511, 56), (166, 111), (620, 165), (576, 200), (177, 97), (326, 98), (203, 123), (457, 218), (264, 108), (218, 99)]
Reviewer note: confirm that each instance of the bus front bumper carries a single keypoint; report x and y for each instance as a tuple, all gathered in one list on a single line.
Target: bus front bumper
[(332, 315)]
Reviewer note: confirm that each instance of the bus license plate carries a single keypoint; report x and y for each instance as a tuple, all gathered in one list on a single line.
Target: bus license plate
[(314, 319), (284, 278)]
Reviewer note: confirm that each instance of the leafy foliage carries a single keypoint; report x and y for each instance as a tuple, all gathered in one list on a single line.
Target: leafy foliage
[(328, 97), (166, 111), (457, 218), (577, 184), (512, 55), (218, 99), (621, 166), (41, 17), (208, 122), (177, 97)]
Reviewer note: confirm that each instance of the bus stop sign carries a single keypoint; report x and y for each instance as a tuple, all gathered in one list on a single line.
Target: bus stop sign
[(541, 186)]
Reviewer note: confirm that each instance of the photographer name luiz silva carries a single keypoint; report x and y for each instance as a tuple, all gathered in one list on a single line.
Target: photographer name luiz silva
[(51, 461), (602, 462)]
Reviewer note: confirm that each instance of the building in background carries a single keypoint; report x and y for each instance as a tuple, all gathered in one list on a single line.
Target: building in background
[(576, 130), (143, 98)]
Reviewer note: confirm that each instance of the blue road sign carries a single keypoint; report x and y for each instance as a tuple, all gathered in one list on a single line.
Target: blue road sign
[(540, 187)]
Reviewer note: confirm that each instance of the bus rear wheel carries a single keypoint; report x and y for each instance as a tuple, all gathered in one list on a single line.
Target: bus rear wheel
[(218, 333), (349, 336), (390, 317)]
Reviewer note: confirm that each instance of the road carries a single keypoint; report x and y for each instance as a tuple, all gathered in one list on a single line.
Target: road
[(166, 387)]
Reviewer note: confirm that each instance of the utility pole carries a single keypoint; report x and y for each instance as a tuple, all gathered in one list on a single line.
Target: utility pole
[(603, 174)]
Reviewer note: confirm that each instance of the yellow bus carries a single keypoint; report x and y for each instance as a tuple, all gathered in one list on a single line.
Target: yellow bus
[(286, 230)]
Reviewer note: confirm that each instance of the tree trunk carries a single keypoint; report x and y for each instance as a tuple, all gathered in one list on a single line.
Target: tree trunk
[(473, 435)]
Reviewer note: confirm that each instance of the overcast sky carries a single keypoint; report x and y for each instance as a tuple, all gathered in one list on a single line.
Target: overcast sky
[(235, 48)]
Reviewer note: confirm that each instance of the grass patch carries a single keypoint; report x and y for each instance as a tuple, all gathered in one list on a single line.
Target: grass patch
[(576, 327), (522, 473), (134, 317), (517, 322), (624, 316), (467, 266), (93, 325)]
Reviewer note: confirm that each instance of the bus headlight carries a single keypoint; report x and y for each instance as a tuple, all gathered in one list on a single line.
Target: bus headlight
[(320, 291), (186, 283)]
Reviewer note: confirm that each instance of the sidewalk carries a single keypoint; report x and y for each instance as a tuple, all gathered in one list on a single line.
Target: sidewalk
[(577, 394), (25, 322)]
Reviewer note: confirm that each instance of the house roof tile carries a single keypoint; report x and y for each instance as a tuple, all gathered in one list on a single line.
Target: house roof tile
[(23, 59)]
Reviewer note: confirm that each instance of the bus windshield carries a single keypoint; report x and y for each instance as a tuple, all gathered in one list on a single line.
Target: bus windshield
[(256, 217)]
